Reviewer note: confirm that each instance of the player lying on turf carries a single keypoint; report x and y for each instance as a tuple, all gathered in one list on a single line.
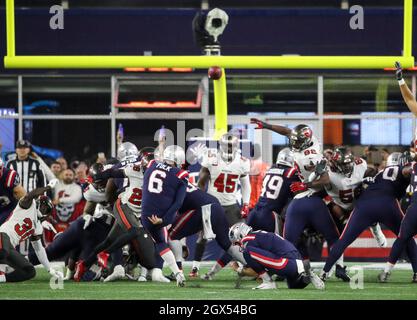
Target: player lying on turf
[(268, 253), (408, 227), (25, 222), (378, 203)]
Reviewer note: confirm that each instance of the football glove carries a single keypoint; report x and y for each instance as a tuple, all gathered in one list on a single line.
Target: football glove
[(399, 71), (298, 187), (56, 273), (52, 184), (260, 124), (321, 167), (244, 212), (48, 226), (406, 158), (88, 219)]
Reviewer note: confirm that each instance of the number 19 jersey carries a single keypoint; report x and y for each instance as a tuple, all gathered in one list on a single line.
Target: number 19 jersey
[(224, 176)]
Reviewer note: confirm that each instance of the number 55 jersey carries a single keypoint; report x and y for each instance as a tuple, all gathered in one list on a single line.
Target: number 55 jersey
[(224, 176)]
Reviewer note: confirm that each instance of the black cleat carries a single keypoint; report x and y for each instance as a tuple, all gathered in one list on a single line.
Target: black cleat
[(171, 277), (414, 278), (341, 273)]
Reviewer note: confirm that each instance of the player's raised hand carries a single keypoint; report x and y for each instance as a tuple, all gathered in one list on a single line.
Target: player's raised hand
[(260, 124), (398, 71), (154, 219), (244, 212), (52, 184)]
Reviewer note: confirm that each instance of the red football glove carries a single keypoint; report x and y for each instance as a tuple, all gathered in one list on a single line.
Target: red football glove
[(298, 187), (260, 124), (244, 212)]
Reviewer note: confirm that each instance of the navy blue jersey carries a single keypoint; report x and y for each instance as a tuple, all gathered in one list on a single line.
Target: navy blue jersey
[(9, 179), (388, 182), (195, 199), (269, 241), (160, 185), (122, 183), (276, 188)]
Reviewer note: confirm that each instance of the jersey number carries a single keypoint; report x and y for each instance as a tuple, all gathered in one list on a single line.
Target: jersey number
[(22, 229), (271, 186), (226, 183), (156, 181), (390, 173), (136, 197)]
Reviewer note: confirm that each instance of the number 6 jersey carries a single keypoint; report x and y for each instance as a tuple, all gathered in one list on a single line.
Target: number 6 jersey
[(224, 176), (21, 224)]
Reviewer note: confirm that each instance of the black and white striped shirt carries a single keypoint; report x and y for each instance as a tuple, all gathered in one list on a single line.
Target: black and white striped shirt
[(30, 172)]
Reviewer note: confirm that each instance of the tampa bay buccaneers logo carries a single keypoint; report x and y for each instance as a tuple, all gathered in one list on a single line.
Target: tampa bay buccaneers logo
[(307, 132)]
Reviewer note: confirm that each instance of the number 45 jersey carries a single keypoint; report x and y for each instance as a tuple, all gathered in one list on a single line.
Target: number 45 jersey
[(224, 176), (344, 190)]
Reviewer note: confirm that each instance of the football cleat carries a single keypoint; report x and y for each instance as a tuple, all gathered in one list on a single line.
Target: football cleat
[(208, 276), (142, 278), (157, 276), (69, 275), (316, 281), (341, 273), (102, 259), (414, 278), (324, 276), (79, 271), (384, 276), (180, 279), (117, 274), (379, 235), (171, 277), (193, 273), (266, 285)]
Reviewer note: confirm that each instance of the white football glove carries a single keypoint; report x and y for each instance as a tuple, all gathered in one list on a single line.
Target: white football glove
[(56, 273), (88, 219), (53, 183), (48, 226)]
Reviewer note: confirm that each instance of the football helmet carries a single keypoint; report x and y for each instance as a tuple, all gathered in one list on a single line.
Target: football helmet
[(175, 154), (127, 150), (300, 137), (44, 205), (342, 160), (238, 231), (146, 154), (229, 146), (93, 171), (394, 159), (285, 157)]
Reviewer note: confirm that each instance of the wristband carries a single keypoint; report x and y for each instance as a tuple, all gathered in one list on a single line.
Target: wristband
[(401, 82)]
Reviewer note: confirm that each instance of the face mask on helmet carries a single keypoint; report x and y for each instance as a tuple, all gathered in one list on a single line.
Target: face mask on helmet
[(146, 154), (95, 169), (238, 231), (229, 145), (300, 137), (44, 205), (126, 151), (342, 160)]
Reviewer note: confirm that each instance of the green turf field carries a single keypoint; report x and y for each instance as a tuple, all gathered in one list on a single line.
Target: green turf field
[(400, 287)]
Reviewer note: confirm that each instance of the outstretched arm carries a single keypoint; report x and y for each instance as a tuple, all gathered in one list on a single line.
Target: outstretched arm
[(408, 96), (27, 200), (276, 128)]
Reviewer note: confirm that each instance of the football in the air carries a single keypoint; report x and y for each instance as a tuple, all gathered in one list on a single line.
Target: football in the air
[(215, 73)]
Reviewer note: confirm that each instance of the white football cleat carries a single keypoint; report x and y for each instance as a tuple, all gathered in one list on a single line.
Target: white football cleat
[(118, 273), (379, 235), (316, 281), (157, 276), (266, 285), (69, 275), (142, 278), (208, 276), (180, 279)]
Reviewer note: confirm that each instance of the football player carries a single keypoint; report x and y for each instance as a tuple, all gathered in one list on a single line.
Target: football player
[(346, 174), (163, 193), (10, 191), (378, 203), (275, 193), (25, 222), (222, 171), (307, 209), (268, 253)]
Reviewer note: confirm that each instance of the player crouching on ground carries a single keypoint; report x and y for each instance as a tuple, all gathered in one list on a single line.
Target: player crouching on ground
[(267, 253), (26, 222)]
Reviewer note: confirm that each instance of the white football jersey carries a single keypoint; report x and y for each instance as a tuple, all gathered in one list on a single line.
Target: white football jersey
[(305, 162), (132, 196), (342, 189), (99, 197), (224, 176), (22, 224)]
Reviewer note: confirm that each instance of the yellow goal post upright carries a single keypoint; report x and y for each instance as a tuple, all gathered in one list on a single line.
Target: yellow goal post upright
[(11, 60)]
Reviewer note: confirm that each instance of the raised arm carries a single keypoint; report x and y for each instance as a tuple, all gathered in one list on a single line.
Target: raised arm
[(408, 96), (276, 128), (27, 200)]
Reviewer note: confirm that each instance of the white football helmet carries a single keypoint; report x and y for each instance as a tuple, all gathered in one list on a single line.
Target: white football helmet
[(238, 231), (394, 159), (229, 146), (285, 157), (175, 154), (127, 150)]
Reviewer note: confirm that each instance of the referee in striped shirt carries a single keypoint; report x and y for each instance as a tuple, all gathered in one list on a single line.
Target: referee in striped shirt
[(28, 168)]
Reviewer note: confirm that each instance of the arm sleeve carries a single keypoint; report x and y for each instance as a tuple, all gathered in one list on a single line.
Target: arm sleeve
[(75, 197), (179, 199), (246, 188), (41, 253)]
